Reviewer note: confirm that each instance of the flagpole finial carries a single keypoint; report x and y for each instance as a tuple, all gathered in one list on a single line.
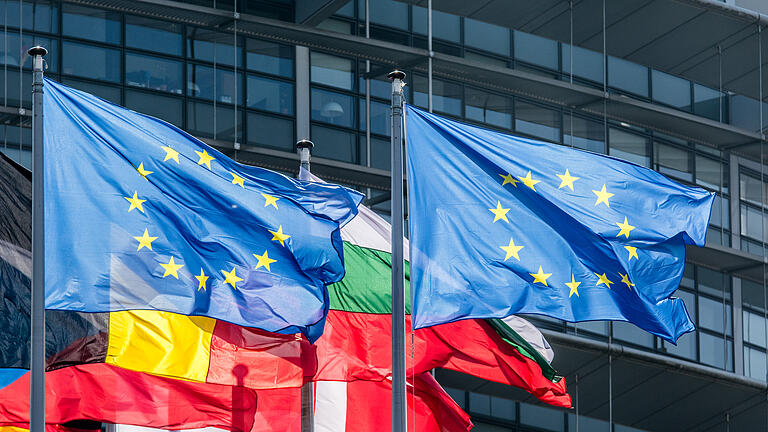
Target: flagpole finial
[(396, 74), (37, 51), (304, 148), (304, 143)]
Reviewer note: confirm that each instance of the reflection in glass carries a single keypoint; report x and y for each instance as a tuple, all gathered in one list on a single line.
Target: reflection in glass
[(210, 46), (673, 161), (752, 220), (153, 73), (381, 154), (537, 121), (584, 134), (712, 350), (707, 101), (162, 107), (479, 403), (333, 108), (268, 131), (444, 25), (153, 35), (751, 189), (270, 95), (37, 15), (488, 108), (708, 172), (754, 328), (630, 333), (671, 90), (379, 117), (754, 363), (205, 83), (203, 121), (332, 71), (446, 96), (91, 62), (587, 64), (712, 315), (268, 57), (541, 417), (484, 36), (106, 92), (627, 146), (627, 76), (536, 50), (90, 23), (752, 294), (390, 13), (10, 43)]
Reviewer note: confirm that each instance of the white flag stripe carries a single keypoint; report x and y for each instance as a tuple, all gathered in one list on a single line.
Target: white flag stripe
[(330, 406)]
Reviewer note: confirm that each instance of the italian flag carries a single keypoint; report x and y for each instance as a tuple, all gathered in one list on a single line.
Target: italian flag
[(356, 347)]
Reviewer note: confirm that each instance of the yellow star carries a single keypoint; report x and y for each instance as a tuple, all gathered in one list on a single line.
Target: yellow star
[(528, 181), (236, 179), (205, 158), (231, 278), (201, 279), (602, 196), (512, 250), (573, 285), (566, 180), (264, 260), (540, 276), (632, 252), (145, 241), (625, 228), (172, 268), (509, 179), (625, 279), (279, 236), (135, 202), (603, 279), (144, 173), (270, 200), (500, 213), (170, 154)]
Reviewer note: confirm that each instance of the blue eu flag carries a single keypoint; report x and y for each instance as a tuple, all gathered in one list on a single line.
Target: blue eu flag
[(502, 225), (140, 215)]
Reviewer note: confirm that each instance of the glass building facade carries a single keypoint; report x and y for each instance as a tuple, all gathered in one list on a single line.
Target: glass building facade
[(252, 77)]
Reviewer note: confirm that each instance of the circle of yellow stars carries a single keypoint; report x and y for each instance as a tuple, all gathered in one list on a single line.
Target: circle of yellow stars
[(172, 267), (567, 180)]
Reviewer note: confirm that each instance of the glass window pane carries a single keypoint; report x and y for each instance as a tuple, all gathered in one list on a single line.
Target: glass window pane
[(754, 363), (457, 395), (751, 222), (153, 72), (386, 12), (332, 71), (673, 161), (541, 417), (537, 121), (707, 102), (444, 25), (13, 50), (708, 172), (270, 95), (711, 314), (686, 346), (488, 108), (37, 15), (598, 327), (630, 333), (91, 23), (587, 64), (334, 144), (379, 117), (484, 36), (91, 62), (630, 147), (381, 151), (269, 57), (446, 96), (536, 50), (106, 92), (671, 90), (203, 44), (153, 35), (162, 107), (752, 294), (268, 131), (750, 189), (479, 403), (754, 328), (334, 108), (712, 350), (205, 83), (628, 76), (200, 121), (714, 283), (584, 134), (503, 408)]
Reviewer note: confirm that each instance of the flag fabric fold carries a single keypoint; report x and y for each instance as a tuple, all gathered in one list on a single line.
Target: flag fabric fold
[(503, 225), (176, 226)]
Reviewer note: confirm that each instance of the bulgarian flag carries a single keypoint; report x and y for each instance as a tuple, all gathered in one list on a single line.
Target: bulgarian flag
[(357, 341)]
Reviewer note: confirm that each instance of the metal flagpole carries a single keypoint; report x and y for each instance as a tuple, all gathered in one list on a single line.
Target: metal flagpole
[(399, 402), (304, 148), (37, 347)]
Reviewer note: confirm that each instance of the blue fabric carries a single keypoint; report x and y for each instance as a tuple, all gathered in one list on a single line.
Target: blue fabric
[(459, 270), (8, 376), (212, 217)]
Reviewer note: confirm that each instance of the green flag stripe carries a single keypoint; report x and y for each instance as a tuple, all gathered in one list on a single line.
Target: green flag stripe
[(366, 288)]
